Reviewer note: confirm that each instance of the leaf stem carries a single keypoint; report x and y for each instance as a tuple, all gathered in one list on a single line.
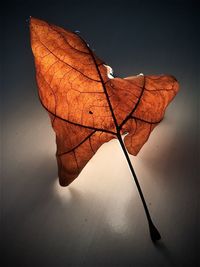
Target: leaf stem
[(155, 235)]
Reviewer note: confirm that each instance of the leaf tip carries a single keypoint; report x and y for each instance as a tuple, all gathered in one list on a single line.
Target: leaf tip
[(65, 182), (175, 84), (33, 22)]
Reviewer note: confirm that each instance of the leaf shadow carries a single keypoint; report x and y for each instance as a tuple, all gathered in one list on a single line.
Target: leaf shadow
[(162, 249)]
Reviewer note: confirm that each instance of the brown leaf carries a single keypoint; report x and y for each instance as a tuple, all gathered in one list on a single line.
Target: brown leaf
[(87, 107)]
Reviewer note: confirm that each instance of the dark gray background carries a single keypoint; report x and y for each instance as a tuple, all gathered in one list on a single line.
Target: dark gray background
[(99, 219)]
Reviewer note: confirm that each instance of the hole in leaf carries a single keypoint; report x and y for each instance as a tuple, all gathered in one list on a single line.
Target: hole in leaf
[(90, 112)]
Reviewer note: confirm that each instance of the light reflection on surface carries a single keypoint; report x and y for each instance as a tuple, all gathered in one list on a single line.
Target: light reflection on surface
[(106, 183), (63, 193), (101, 210)]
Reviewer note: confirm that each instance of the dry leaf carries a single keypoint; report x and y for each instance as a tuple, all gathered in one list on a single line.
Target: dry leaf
[(86, 105)]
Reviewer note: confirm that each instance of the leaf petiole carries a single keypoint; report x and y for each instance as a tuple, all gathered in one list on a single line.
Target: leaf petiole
[(154, 233)]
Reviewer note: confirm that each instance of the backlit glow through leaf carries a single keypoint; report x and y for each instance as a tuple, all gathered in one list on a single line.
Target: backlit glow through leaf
[(86, 104)]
